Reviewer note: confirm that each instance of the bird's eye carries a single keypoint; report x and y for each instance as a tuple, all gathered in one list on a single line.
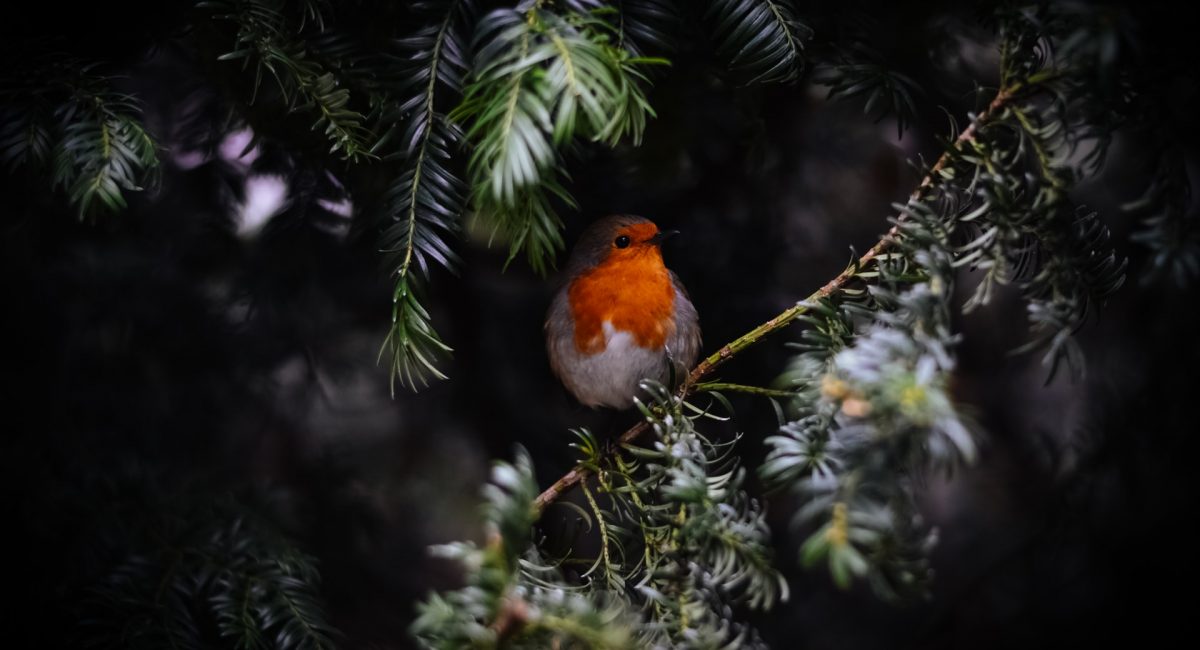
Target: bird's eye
[(621, 241)]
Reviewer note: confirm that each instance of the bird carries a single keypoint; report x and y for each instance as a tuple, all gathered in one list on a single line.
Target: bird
[(621, 315)]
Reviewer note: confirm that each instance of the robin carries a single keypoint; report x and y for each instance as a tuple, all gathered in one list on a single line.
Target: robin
[(621, 316)]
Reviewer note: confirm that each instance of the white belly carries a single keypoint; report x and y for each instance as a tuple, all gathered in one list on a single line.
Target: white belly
[(610, 378)]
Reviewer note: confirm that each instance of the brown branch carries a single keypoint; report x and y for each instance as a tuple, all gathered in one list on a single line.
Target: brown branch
[(512, 618), (721, 386), (732, 348)]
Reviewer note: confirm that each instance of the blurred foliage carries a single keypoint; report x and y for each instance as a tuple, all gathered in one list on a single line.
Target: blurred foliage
[(218, 575), (514, 598)]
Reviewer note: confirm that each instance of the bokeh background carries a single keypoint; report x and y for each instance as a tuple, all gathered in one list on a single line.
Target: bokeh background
[(218, 343)]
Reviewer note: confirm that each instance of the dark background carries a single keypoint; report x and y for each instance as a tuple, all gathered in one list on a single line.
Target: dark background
[(157, 359)]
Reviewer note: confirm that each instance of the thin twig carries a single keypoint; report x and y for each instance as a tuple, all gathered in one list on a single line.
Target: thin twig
[(513, 616), (732, 348), (721, 386)]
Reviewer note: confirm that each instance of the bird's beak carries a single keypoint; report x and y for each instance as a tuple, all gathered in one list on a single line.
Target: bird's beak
[(661, 236)]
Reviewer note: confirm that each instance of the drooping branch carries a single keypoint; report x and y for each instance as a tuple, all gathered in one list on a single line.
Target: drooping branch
[(731, 349)]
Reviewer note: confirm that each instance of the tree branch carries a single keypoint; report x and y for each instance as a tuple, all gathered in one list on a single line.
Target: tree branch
[(513, 616), (721, 386), (710, 363)]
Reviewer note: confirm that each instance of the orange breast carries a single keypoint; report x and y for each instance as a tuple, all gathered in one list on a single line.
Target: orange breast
[(634, 293)]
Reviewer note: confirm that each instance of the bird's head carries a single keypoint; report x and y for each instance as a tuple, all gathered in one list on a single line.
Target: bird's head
[(617, 239)]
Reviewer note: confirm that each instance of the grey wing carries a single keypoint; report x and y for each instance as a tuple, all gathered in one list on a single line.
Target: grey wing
[(684, 344), (559, 326)]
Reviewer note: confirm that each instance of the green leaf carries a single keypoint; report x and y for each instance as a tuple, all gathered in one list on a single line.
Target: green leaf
[(541, 80), (268, 42), (412, 345), (761, 40), (425, 202)]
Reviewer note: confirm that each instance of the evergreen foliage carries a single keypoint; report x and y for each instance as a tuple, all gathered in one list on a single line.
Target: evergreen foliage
[(426, 201), (540, 80), (760, 39), (514, 597), (265, 43), (219, 575), (67, 122), (872, 410), (872, 383), (475, 114), (681, 544)]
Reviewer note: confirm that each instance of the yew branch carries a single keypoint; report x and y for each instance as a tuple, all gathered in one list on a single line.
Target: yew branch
[(731, 349)]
